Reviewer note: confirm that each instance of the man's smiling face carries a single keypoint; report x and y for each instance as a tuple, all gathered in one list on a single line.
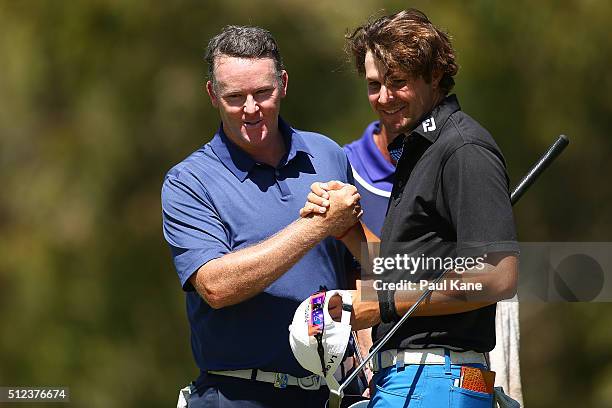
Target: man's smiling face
[(247, 92), (399, 99)]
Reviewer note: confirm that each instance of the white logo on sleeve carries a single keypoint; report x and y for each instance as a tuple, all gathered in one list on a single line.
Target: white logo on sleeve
[(429, 124)]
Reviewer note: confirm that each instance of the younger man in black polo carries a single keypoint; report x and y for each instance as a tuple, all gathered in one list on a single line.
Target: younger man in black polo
[(450, 200)]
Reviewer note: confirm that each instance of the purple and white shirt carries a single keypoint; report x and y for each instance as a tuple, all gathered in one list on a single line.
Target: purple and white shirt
[(373, 177)]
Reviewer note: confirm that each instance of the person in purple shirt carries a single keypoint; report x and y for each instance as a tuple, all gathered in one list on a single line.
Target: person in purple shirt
[(373, 170)]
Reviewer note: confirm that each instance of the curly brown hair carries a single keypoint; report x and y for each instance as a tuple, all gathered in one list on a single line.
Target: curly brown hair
[(406, 41)]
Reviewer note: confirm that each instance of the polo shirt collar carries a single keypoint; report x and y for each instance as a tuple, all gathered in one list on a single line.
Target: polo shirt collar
[(240, 162), (294, 139), (433, 122), (429, 128)]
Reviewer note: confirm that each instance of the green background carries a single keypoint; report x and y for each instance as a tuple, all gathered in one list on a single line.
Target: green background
[(98, 99)]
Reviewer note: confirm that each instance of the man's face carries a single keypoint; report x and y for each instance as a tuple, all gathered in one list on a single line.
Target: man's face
[(399, 99), (248, 94)]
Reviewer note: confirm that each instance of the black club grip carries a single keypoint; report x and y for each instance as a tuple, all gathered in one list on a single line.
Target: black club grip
[(548, 157)]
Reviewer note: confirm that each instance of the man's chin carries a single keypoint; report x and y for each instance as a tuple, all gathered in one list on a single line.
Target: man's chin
[(398, 127), (254, 135)]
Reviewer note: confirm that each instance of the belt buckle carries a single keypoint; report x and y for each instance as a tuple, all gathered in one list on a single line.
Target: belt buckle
[(310, 383), (281, 380)]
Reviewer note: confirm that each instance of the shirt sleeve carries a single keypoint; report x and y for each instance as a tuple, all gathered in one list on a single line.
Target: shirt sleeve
[(349, 173), (192, 227), (475, 189)]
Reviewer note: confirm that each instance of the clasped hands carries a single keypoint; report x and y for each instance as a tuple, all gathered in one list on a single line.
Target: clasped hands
[(337, 203)]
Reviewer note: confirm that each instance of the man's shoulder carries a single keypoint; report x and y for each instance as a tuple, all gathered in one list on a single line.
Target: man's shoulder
[(368, 132), (353, 147), (462, 129), (463, 136), (195, 164)]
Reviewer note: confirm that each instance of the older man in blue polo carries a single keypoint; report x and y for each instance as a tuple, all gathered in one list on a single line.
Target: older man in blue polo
[(244, 258)]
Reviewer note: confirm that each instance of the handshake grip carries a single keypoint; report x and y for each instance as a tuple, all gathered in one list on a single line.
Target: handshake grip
[(344, 211)]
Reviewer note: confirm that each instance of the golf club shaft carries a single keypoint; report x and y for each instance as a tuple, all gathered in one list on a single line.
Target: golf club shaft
[(357, 347), (551, 154), (554, 151), (358, 354)]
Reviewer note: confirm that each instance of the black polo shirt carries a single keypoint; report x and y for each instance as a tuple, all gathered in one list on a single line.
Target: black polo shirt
[(450, 198)]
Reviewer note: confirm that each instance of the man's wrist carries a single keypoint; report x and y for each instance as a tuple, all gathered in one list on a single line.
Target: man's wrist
[(386, 302), (322, 226), (365, 314), (317, 225), (345, 233)]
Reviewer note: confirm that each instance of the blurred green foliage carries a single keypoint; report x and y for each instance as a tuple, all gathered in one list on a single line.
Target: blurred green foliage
[(100, 98)]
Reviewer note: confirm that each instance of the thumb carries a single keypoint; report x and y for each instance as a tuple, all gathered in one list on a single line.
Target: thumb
[(334, 185)]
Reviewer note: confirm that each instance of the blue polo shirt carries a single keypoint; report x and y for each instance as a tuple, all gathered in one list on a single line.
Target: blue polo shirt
[(219, 200), (373, 177)]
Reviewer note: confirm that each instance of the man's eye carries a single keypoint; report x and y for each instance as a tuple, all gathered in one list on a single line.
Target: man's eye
[(373, 85), (263, 91)]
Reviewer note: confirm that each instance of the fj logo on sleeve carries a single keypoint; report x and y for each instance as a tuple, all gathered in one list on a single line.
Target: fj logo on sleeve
[(429, 125)]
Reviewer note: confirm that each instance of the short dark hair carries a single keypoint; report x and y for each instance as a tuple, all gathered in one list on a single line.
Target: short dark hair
[(242, 42), (407, 41)]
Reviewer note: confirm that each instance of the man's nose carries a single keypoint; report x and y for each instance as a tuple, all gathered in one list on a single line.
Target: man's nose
[(250, 105), (384, 95)]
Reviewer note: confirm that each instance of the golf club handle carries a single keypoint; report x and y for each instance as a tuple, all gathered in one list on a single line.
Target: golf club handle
[(548, 157), (554, 151)]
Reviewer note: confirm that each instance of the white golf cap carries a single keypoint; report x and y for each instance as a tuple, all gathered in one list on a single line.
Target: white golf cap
[(335, 337)]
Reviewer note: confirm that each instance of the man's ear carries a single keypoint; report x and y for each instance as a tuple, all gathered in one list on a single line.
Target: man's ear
[(211, 94), (284, 83), (436, 77)]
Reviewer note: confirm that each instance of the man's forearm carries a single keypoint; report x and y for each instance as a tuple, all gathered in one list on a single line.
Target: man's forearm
[(362, 244), (497, 282), (240, 275), (353, 240), (471, 290)]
